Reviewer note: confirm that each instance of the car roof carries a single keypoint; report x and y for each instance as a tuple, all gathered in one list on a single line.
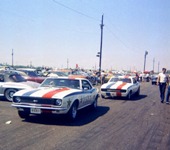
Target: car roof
[(66, 78), (27, 69)]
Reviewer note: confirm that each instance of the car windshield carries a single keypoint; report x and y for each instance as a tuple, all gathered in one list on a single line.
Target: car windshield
[(31, 74), (126, 80), (71, 83), (114, 79), (15, 78)]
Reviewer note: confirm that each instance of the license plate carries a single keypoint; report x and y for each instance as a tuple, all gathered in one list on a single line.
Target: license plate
[(35, 110)]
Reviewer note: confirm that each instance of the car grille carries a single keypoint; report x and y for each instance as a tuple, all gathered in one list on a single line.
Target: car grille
[(37, 100), (113, 90)]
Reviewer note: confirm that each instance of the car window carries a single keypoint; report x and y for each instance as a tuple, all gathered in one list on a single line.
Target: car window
[(16, 78), (134, 80), (86, 84), (32, 74), (74, 84), (1, 78)]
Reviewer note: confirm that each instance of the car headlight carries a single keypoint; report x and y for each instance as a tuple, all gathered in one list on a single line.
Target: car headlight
[(58, 102), (16, 99)]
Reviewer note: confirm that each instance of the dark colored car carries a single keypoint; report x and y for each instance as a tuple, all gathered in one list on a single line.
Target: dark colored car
[(31, 76)]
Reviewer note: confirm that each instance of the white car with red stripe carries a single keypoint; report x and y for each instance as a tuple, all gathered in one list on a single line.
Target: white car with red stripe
[(122, 86), (56, 96)]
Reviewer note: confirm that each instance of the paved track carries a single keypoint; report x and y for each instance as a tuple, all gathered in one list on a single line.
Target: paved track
[(142, 123)]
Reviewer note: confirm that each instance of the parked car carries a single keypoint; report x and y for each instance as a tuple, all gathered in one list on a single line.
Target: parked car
[(13, 82), (57, 74), (123, 86), (154, 78), (85, 75), (146, 77), (31, 75), (56, 95)]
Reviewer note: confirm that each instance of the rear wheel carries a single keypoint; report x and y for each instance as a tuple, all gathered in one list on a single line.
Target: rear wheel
[(23, 114), (9, 94)]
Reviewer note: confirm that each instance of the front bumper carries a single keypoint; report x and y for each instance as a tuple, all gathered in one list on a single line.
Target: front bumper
[(113, 94), (42, 108)]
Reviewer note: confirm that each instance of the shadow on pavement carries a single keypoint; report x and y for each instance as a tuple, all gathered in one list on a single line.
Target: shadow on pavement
[(134, 98), (84, 116)]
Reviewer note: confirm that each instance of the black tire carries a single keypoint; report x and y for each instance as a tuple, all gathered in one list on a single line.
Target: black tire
[(94, 104), (138, 92), (23, 114), (129, 96), (103, 96), (72, 113), (9, 94)]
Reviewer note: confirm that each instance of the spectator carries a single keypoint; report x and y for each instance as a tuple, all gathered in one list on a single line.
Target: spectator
[(168, 94), (162, 81)]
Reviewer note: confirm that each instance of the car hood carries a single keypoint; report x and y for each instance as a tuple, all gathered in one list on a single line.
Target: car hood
[(48, 92), (116, 85), (31, 84)]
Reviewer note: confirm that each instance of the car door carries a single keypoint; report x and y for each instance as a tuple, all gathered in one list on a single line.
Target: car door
[(135, 85), (87, 92)]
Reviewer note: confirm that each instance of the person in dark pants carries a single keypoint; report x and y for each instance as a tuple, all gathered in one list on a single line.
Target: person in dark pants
[(167, 95), (162, 82)]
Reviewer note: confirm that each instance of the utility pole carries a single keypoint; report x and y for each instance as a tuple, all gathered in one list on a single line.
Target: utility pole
[(158, 66), (101, 42), (146, 53), (153, 64), (12, 58), (67, 63)]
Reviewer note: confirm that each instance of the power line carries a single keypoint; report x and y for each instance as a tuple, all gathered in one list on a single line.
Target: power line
[(76, 11), (117, 38)]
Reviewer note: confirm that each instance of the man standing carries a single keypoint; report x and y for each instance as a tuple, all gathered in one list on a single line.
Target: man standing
[(168, 94), (162, 81)]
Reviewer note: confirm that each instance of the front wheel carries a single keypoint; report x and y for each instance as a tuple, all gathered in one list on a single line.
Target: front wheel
[(129, 96), (9, 94), (94, 104), (23, 114), (138, 92), (72, 114), (103, 96)]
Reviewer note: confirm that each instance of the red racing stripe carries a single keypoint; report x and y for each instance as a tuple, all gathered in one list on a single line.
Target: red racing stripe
[(51, 93), (118, 93)]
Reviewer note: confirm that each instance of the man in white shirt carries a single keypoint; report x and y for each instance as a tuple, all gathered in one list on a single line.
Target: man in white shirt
[(162, 82)]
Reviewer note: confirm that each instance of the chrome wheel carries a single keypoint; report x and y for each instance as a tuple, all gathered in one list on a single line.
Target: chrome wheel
[(9, 94), (72, 114)]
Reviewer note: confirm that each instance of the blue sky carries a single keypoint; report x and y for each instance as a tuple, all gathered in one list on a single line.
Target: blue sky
[(50, 32)]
